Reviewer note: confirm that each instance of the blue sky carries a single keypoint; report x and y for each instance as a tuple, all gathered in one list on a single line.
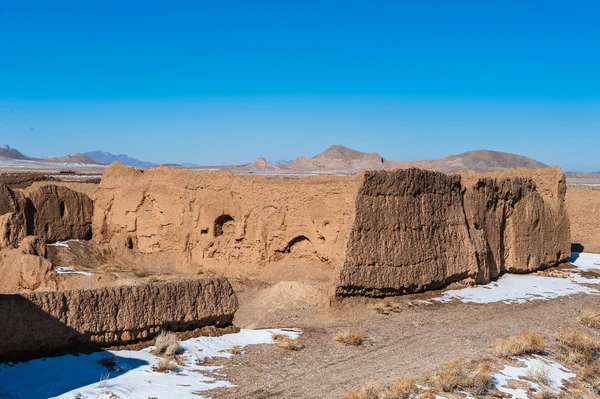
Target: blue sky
[(221, 82)]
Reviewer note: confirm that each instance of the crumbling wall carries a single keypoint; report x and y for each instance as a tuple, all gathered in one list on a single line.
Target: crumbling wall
[(52, 213), (217, 219), (46, 323), (416, 230)]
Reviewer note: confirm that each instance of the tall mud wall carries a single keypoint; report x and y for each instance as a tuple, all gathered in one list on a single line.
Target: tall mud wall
[(46, 323), (216, 219), (416, 230)]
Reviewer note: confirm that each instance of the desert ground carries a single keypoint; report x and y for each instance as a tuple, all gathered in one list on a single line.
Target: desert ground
[(133, 230)]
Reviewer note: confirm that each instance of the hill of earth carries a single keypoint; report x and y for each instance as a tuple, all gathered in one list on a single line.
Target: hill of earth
[(107, 158)]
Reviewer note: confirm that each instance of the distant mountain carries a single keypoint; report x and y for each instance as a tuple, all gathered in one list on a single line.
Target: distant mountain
[(338, 157), (10, 153), (486, 161), (107, 158), (78, 158)]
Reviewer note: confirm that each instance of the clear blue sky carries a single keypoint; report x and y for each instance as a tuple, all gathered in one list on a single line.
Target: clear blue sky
[(226, 81)]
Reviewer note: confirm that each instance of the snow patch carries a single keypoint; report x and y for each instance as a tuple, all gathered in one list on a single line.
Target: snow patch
[(66, 376), (555, 372), (515, 288), (68, 270)]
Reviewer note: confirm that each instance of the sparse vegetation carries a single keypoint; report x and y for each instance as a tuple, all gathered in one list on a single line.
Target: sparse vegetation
[(167, 343), (235, 350), (369, 391), (540, 375), (350, 338), (457, 374), (590, 318), (110, 362), (289, 344), (548, 393), (278, 337), (402, 388), (523, 344), (164, 366), (578, 346), (140, 271), (387, 307)]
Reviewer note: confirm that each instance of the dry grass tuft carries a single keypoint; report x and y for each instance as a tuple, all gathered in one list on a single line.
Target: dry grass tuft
[(523, 344), (289, 344), (370, 391), (540, 374), (110, 362), (548, 393), (353, 338), (402, 388), (278, 337), (235, 350), (387, 307), (577, 345), (164, 366), (590, 318), (168, 343), (456, 374), (140, 272)]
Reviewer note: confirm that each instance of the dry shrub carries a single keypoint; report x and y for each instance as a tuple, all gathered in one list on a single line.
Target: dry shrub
[(548, 393), (354, 338), (387, 307), (289, 344), (456, 374), (370, 391), (402, 388), (140, 272), (164, 366), (590, 318), (278, 337), (235, 350), (110, 362), (168, 343), (540, 374), (523, 344), (577, 345)]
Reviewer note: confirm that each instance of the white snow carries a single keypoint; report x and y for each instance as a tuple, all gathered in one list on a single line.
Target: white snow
[(66, 376), (515, 288), (556, 373), (68, 270)]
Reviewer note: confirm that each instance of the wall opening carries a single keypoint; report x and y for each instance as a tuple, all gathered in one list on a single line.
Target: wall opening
[(30, 212), (224, 224)]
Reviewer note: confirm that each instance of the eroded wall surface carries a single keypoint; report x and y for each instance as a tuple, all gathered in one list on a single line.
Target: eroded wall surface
[(217, 219), (416, 230), (46, 323)]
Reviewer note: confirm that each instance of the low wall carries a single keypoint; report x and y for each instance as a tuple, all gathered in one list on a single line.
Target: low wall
[(49, 323)]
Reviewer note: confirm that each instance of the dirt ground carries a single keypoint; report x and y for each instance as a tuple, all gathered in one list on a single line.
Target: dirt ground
[(414, 342), (583, 205)]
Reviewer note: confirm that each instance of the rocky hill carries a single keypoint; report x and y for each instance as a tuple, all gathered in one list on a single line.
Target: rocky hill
[(107, 158), (338, 157), (11, 153), (78, 158)]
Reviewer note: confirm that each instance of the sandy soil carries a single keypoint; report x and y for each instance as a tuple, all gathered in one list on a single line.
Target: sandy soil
[(583, 205), (413, 342)]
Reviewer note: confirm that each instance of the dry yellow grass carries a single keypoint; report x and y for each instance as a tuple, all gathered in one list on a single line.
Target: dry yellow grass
[(577, 345), (402, 388), (353, 338), (289, 344), (370, 391), (278, 337), (457, 374), (590, 318), (168, 344), (140, 272), (164, 366), (540, 375), (522, 344), (235, 350)]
